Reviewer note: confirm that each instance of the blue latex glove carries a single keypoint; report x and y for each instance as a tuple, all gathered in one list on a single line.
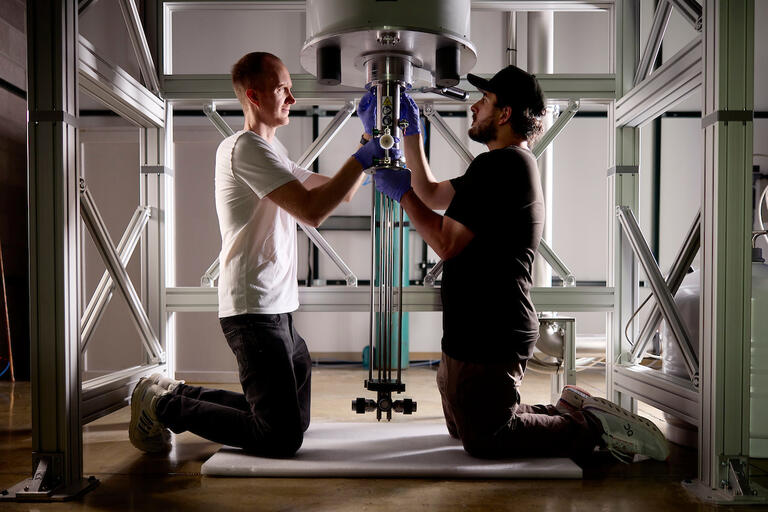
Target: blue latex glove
[(372, 149), (410, 112), (366, 110), (392, 183)]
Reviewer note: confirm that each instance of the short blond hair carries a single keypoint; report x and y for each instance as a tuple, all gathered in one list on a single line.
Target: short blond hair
[(249, 71)]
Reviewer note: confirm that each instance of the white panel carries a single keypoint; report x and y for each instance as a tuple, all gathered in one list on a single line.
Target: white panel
[(354, 247), (487, 33), (579, 224), (581, 42), (681, 175), (336, 153), (201, 347), (333, 332), (197, 230), (199, 48)]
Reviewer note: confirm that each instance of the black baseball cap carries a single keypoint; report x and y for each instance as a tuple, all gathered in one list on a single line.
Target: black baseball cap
[(512, 86)]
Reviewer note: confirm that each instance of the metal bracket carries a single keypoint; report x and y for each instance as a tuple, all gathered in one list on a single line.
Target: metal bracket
[(45, 483), (736, 116), (735, 485)]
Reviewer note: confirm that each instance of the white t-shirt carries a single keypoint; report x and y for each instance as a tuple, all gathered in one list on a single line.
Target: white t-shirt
[(258, 238)]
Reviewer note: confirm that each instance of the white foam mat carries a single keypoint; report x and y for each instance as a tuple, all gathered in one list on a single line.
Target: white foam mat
[(406, 449)]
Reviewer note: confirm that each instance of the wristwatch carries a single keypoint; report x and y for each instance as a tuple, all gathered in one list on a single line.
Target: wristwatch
[(363, 140)]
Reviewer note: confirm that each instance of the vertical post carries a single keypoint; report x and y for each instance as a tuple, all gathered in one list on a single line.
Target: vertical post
[(157, 246), (54, 237), (726, 228), (541, 59), (623, 167)]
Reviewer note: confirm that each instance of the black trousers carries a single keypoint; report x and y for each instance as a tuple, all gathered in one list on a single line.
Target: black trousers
[(271, 415)]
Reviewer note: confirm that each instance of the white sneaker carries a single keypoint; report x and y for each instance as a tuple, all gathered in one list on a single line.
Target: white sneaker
[(145, 431), (164, 382), (571, 399), (626, 434)]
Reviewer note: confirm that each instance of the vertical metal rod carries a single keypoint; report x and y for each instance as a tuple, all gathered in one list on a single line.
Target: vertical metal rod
[(387, 289), (372, 317), (511, 33), (382, 284), (400, 302)]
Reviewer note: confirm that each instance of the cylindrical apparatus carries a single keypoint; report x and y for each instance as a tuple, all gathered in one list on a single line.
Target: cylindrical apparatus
[(758, 396), (388, 47)]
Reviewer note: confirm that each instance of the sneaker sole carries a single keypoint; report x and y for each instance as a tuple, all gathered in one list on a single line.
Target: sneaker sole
[(609, 407), (145, 444)]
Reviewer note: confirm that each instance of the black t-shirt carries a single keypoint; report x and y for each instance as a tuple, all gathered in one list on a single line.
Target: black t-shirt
[(487, 310)]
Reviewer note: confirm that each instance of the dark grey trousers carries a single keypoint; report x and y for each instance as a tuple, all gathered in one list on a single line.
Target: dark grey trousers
[(271, 415), (482, 408)]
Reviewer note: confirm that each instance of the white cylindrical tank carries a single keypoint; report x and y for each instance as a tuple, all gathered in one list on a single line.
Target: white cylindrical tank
[(433, 35), (672, 361), (758, 396)]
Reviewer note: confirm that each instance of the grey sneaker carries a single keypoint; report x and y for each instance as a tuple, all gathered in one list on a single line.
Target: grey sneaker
[(164, 382), (571, 399), (626, 434), (145, 431)]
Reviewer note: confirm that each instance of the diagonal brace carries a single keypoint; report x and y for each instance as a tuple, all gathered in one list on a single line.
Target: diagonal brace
[(663, 296), (100, 235), (139, 43), (103, 293), (544, 249), (439, 123), (652, 47), (550, 135), (683, 261)]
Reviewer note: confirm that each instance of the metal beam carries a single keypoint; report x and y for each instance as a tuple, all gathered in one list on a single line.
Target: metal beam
[(550, 135), (108, 393), (116, 89), (691, 11), (541, 5), (671, 394), (346, 299), (653, 45), (453, 141), (196, 89), (54, 241), (330, 131), (139, 43), (679, 77)]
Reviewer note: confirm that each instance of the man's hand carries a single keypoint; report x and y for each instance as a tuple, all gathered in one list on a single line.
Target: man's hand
[(366, 110), (392, 183), (373, 149), (410, 112)]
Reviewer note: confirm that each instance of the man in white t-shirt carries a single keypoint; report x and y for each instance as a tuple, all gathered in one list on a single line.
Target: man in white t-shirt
[(260, 194)]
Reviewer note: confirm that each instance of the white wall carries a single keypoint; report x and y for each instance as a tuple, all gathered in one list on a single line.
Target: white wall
[(579, 220)]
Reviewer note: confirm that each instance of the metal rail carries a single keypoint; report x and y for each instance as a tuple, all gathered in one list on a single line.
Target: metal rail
[(659, 27), (139, 43)]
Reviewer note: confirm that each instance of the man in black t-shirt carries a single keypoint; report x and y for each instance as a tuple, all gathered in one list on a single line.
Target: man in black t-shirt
[(493, 220)]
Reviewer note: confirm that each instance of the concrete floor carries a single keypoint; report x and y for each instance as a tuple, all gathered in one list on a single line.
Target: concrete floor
[(130, 480)]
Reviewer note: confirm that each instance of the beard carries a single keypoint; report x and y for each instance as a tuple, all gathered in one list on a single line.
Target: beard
[(483, 132)]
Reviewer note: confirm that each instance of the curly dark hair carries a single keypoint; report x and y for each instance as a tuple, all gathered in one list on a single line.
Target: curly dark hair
[(526, 119)]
